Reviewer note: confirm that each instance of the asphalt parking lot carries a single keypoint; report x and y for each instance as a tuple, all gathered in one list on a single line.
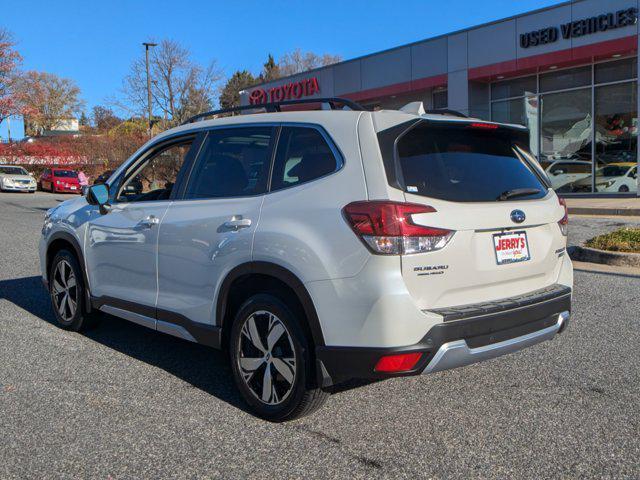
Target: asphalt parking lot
[(121, 401)]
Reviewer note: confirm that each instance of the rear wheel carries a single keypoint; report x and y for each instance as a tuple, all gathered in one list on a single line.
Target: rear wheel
[(271, 362), (623, 189), (66, 288)]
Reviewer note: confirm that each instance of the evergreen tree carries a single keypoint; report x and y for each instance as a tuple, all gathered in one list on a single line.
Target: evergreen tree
[(270, 70), (230, 95)]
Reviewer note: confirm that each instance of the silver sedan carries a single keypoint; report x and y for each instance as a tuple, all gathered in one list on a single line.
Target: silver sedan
[(16, 179)]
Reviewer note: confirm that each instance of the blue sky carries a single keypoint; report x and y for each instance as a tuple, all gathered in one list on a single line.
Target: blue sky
[(94, 42)]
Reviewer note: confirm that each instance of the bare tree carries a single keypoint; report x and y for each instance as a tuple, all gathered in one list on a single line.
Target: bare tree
[(104, 119), (180, 87), (48, 100), (299, 61)]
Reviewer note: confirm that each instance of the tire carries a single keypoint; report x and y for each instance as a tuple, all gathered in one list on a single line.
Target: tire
[(67, 293), (274, 376), (623, 189)]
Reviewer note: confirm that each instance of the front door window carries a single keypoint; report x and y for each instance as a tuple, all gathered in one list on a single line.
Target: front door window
[(155, 177)]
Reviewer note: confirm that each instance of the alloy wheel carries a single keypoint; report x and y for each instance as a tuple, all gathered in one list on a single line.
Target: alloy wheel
[(64, 291), (266, 357)]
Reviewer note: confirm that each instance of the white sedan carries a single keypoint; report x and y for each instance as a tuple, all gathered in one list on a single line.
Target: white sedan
[(16, 179)]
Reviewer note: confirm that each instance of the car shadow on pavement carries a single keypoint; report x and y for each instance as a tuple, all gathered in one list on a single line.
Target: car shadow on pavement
[(201, 367)]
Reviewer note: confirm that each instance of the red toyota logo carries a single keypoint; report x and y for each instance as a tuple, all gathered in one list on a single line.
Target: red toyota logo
[(258, 96)]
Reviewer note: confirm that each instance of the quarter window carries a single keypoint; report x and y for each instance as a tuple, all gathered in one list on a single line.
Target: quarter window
[(303, 155), (234, 162)]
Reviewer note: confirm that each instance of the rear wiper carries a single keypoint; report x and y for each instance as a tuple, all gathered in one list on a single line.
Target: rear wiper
[(520, 192)]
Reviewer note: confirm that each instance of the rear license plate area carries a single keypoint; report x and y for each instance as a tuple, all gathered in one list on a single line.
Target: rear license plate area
[(512, 247)]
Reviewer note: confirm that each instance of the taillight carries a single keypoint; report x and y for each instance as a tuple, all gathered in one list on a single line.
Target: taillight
[(403, 362), (564, 222), (388, 229)]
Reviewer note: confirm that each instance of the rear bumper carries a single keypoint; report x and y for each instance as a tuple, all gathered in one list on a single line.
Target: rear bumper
[(469, 334), (458, 354)]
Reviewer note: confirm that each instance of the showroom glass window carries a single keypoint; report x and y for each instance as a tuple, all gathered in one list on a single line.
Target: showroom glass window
[(581, 120), (440, 98), (515, 101), (616, 128)]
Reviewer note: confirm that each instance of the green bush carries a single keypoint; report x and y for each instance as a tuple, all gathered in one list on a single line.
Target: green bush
[(624, 240)]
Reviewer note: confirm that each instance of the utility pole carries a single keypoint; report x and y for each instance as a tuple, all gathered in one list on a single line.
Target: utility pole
[(147, 45)]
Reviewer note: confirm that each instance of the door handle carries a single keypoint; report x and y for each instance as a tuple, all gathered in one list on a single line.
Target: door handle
[(237, 222), (148, 222)]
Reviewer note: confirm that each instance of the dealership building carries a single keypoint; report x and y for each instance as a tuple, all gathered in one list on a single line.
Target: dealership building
[(568, 72)]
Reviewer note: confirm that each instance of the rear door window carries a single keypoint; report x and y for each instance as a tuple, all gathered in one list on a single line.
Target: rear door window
[(233, 162), (462, 163), (303, 155)]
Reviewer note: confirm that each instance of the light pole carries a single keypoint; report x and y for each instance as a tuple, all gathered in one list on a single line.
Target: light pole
[(147, 45)]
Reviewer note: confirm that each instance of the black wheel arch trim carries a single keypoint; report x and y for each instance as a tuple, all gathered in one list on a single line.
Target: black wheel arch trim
[(73, 241), (280, 273)]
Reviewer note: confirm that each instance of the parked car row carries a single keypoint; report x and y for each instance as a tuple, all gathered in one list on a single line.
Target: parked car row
[(14, 178)]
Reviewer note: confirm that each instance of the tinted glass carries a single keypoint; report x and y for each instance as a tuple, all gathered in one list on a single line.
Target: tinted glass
[(464, 164), (564, 79), (65, 173), (613, 171), (616, 71), (155, 177), (232, 163), (303, 155), (13, 171), (513, 88)]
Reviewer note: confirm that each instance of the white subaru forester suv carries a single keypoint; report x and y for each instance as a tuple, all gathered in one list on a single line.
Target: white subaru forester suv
[(321, 246)]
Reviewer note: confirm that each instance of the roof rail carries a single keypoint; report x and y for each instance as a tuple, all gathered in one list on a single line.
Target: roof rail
[(446, 111), (275, 107)]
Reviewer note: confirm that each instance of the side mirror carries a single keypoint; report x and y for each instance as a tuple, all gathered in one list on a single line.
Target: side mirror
[(99, 195)]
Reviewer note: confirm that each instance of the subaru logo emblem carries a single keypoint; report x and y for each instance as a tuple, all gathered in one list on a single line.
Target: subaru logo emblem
[(518, 216)]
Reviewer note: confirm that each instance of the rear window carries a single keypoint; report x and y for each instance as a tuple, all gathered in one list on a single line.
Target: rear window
[(467, 164), (65, 173)]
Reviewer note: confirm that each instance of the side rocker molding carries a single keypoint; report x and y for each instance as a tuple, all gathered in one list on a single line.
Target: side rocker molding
[(208, 335), (282, 274)]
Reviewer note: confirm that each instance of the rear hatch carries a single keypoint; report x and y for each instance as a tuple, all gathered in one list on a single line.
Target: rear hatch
[(487, 188)]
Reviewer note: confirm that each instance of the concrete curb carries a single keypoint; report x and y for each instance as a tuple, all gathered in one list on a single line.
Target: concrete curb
[(592, 255), (605, 212)]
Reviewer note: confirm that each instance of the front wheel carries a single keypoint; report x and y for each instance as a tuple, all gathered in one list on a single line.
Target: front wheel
[(66, 288), (271, 362), (623, 189)]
